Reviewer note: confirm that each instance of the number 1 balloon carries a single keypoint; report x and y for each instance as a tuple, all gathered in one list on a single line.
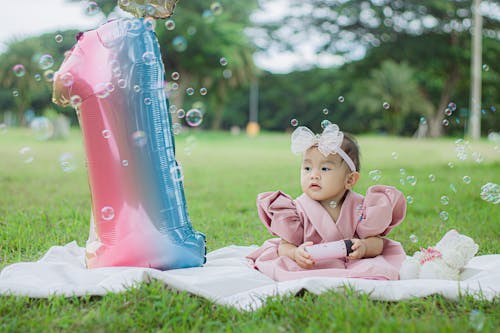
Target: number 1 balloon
[(114, 77)]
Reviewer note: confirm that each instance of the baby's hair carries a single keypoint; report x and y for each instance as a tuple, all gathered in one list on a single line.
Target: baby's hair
[(351, 148)]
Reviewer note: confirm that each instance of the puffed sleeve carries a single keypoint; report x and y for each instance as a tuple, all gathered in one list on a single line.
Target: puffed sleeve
[(278, 212), (384, 207)]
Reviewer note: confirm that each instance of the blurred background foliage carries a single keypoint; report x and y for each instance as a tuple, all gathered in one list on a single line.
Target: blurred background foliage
[(403, 63)]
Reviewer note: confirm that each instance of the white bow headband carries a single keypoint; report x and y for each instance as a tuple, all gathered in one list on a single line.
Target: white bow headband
[(329, 142)]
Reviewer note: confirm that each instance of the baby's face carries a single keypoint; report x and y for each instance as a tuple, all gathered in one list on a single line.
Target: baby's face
[(323, 178)]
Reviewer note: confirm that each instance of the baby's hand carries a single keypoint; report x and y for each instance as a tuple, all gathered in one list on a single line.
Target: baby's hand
[(359, 249), (302, 258)]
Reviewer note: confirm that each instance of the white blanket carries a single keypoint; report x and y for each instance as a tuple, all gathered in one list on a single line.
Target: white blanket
[(226, 279)]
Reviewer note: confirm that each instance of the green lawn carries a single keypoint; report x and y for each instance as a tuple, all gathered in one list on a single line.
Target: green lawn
[(41, 205)]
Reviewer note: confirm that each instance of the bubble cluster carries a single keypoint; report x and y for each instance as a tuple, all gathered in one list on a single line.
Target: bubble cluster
[(19, 70), (194, 117), (375, 175), (490, 192), (107, 213)]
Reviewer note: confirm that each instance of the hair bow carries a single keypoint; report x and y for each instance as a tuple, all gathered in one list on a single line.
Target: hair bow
[(329, 142)]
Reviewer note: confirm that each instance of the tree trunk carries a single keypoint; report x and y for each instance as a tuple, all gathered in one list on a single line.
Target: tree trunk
[(436, 122)]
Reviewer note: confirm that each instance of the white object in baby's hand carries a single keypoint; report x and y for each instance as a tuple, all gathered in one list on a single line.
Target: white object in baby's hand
[(330, 250)]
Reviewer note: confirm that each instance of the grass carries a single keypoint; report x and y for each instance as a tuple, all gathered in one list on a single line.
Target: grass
[(41, 206)]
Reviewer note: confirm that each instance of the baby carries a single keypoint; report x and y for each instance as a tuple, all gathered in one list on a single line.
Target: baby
[(327, 211)]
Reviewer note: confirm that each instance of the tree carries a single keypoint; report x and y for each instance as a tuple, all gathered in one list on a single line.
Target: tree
[(345, 26), (206, 44), (391, 91)]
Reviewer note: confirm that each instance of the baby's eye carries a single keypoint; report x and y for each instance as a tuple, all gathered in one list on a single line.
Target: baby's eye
[(307, 169), (325, 169)]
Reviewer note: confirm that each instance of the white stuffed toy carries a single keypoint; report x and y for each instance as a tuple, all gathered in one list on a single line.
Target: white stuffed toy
[(443, 261)]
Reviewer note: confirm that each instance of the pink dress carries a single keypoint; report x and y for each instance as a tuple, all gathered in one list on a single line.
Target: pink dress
[(304, 219)]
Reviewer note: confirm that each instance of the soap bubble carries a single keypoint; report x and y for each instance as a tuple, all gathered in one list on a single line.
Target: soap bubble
[(448, 112), (325, 123), (477, 157), (490, 192), (190, 91), (137, 88), (394, 155), (49, 75), (15, 93), (147, 101), (194, 117), (341, 99), (443, 215), (170, 25), (216, 8), (445, 122), (452, 106), (149, 58), (172, 108), (453, 188), (325, 111), (332, 204), (106, 134), (122, 83), (227, 73), (125, 163), (451, 165), (375, 175), (181, 113), (75, 101), (107, 213), (19, 70), (42, 128), (412, 180), (476, 320), (203, 91), (67, 79), (294, 122), (179, 43), (432, 178), (444, 200), (139, 138), (175, 76), (46, 61), (486, 67), (26, 155), (386, 105), (413, 238), (59, 38), (37, 77), (409, 199), (423, 120), (149, 22), (223, 61), (466, 179), (92, 8), (67, 162)]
